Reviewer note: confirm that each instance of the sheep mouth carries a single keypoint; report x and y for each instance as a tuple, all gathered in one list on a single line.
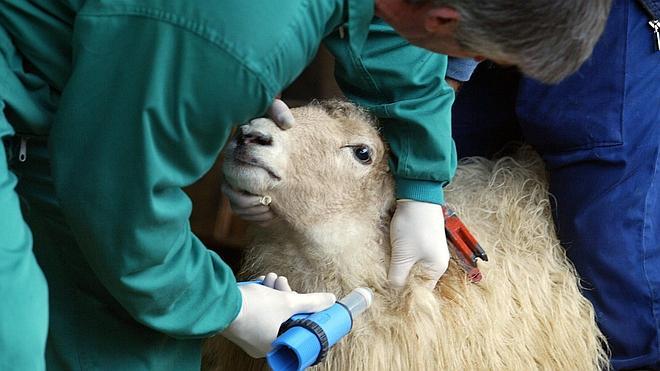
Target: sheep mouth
[(251, 161)]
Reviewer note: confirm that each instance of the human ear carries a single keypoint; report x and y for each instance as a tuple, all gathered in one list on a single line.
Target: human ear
[(441, 19)]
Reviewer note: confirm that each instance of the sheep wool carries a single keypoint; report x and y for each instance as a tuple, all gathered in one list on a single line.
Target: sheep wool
[(332, 235)]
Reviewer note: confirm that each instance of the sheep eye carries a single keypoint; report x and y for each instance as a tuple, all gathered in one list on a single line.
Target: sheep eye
[(362, 154)]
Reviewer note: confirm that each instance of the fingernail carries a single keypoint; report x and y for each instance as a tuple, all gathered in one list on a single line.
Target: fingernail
[(286, 120)]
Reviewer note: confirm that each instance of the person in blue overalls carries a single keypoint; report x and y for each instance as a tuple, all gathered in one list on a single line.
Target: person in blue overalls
[(599, 134)]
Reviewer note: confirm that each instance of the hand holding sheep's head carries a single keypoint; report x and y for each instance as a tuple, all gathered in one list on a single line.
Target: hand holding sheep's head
[(332, 161)]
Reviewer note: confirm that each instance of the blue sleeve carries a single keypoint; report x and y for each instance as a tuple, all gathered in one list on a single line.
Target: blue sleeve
[(461, 69)]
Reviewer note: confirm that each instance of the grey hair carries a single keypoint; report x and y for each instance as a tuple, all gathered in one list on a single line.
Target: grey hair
[(547, 40)]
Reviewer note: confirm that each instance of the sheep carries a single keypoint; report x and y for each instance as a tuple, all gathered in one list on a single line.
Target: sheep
[(332, 235)]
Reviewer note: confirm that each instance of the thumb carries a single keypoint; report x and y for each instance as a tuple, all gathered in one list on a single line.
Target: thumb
[(399, 272), (311, 303), (239, 199), (433, 272), (281, 114)]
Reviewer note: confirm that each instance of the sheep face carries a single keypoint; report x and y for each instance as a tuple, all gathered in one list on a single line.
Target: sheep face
[(331, 162)]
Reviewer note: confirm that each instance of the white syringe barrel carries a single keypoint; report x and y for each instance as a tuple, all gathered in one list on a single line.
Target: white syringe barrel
[(358, 300)]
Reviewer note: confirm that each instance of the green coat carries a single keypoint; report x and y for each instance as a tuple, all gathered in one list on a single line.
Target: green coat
[(145, 94)]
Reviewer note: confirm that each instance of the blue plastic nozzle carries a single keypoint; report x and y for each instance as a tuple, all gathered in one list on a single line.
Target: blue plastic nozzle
[(307, 337)]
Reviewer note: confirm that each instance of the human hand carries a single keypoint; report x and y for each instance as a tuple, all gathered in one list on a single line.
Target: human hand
[(417, 234), (248, 206), (455, 84), (265, 308), (280, 113)]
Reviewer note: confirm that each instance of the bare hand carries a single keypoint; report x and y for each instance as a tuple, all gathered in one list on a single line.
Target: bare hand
[(251, 207), (248, 206), (455, 84), (280, 113)]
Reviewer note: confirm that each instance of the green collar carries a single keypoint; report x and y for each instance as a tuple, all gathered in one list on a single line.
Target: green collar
[(360, 14)]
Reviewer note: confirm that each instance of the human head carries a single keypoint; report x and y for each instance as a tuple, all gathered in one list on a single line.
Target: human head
[(547, 40)]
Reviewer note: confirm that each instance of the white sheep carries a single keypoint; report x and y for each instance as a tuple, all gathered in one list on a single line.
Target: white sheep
[(332, 235)]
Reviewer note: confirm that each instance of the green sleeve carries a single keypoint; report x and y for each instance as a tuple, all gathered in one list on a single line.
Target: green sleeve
[(22, 285), (146, 111), (405, 87)]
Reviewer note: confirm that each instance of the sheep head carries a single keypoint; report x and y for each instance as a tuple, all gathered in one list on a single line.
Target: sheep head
[(331, 165)]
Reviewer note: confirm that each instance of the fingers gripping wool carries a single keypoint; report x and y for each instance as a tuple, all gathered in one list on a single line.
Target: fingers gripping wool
[(527, 313)]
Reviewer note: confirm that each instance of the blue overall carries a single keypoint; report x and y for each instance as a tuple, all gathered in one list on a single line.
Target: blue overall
[(599, 134)]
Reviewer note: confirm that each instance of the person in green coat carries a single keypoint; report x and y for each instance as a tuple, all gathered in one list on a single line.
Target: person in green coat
[(111, 107)]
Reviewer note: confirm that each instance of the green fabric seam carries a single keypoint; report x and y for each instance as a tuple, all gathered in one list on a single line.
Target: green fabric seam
[(200, 30)]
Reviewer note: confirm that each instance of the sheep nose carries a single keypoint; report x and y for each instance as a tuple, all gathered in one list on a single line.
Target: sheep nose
[(253, 137)]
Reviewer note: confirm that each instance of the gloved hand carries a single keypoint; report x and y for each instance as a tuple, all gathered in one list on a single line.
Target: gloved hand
[(417, 234), (251, 207), (274, 281), (264, 310)]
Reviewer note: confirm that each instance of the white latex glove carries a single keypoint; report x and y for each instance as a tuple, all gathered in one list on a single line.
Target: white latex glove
[(417, 234), (252, 207), (276, 282), (264, 310)]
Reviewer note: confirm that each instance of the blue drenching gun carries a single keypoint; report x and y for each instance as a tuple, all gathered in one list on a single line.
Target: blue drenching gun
[(304, 339)]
